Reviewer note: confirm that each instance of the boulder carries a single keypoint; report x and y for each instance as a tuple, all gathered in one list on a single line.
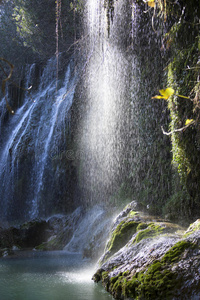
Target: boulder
[(151, 258)]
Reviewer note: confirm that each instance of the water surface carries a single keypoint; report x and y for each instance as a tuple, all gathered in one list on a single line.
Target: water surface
[(48, 276)]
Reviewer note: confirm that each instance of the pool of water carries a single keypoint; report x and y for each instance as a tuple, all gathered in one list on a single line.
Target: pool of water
[(48, 276)]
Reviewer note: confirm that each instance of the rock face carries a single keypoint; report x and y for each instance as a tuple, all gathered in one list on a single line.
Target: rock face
[(82, 231), (50, 234), (150, 258), (27, 235)]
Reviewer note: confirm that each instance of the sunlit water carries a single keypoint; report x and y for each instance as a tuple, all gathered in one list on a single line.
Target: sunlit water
[(48, 276)]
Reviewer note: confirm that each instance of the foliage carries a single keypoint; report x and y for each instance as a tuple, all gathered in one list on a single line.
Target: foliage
[(189, 121), (181, 45), (151, 3), (28, 29), (77, 6), (165, 94), (35, 23), (33, 32)]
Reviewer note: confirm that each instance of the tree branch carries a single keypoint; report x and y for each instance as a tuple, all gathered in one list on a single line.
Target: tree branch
[(177, 130)]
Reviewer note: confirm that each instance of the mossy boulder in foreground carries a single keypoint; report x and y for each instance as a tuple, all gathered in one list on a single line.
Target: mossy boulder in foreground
[(158, 260)]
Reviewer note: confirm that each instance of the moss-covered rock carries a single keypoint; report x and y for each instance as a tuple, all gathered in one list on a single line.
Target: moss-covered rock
[(192, 228), (133, 226), (182, 74), (151, 231), (160, 261), (57, 242), (121, 235)]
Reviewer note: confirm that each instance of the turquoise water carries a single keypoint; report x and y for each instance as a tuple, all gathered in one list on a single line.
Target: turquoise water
[(48, 276)]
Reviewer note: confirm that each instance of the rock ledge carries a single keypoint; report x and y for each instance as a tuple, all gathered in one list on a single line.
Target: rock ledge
[(150, 258)]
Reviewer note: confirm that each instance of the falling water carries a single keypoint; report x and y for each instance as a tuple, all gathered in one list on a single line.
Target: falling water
[(106, 124), (35, 131), (118, 128)]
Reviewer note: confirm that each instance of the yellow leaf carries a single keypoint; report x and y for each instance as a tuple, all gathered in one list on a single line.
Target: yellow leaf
[(151, 3), (165, 94), (158, 97), (188, 121)]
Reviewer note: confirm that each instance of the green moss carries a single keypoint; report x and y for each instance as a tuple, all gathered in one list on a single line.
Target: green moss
[(182, 76), (192, 228), (176, 206), (126, 273), (175, 252), (121, 235), (133, 213), (105, 279), (151, 231), (113, 280), (104, 275), (142, 226), (180, 160), (155, 283), (117, 285)]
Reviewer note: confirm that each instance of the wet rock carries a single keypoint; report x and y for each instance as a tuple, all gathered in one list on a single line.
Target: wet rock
[(8, 237), (27, 235), (156, 260), (62, 229), (83, 231), (193, 228), (51, 234), (6, 252), (33, 233), (91, 232)]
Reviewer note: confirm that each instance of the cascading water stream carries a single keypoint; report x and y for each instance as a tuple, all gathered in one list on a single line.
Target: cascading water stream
[(34, 131), (114, 129), (59, 106), (106, 131), (106, 124)]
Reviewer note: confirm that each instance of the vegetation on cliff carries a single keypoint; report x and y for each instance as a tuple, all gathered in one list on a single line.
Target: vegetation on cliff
[(177, 46)]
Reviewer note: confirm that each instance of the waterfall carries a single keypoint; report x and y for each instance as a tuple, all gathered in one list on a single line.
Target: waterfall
[(108, 118), (120, 133), (106, 127), (35, 131)]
